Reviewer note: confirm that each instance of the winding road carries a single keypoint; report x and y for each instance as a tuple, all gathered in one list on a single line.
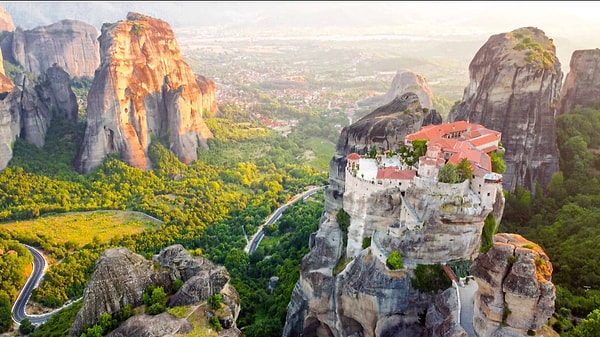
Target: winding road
[(256, 238), (18, 309)]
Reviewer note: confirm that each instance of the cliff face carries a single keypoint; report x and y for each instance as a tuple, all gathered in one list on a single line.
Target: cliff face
[(515, 80), (121, 276), (70, 44), (514, 288), (404, 81), (28, 109), (143, 88), (582, 84)]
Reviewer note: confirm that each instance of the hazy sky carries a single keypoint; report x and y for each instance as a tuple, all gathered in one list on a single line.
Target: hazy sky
[(438, 17), (572, 24)]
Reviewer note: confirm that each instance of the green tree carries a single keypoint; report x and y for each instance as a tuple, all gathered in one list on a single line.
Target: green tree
[(5, 314), (214, 301), (589, 327), (448, 174), (373, 152), (394, 260), (498, 165), (26, 327), (464, 169), (420, 148)]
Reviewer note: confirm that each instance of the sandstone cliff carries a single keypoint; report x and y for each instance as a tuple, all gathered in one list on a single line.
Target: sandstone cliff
[(55, 90), (6, 23), (515, 293), (70, 44), (404, 81), (121, 276), (515, 80), (6, 84), (582, 84), (144, 89)]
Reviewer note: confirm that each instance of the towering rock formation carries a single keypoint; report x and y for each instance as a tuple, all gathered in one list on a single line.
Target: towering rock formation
[(582, 84), (143, 88), (349, 291), (120, 278), (29, 108), (70, 44), (404, 81), (56, 92), (515, 80), (515, 293), (6, 23)]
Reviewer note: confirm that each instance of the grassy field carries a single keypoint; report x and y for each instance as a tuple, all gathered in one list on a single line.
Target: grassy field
[(323, 150), (81, 227)]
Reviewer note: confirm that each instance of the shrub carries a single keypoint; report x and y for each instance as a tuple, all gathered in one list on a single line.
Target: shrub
[(530, 332), (214, 302), (177, 284), (215, 323), (430, 278), (26, 327), (394, 261), (366, 243)]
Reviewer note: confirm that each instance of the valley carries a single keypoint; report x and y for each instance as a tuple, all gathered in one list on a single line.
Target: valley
[(190, 146)]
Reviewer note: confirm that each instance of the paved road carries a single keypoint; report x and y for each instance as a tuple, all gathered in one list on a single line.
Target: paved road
[(39, 267), (466, 302), (255, 240)]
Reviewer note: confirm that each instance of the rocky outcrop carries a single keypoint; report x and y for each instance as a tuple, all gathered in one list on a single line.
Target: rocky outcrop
[(515, 293), (144, 89), (56, 92), (515, 80), (6, 22), (152, 326), (121, 276), (366, 297), (442, 314), (70, 44), (582, 84), (404, 81), (28, 110), (6, 135)]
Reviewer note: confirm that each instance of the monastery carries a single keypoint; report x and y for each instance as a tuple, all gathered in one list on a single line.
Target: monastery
[(388, 173)]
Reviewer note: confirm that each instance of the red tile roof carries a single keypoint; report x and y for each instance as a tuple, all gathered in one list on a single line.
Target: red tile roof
[(353, 156), (393, 172)]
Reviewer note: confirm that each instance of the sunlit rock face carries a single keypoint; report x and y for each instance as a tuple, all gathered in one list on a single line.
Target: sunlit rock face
[(514, 87), (582, 84), (143, 88), (515, 293), (69, 44), (6, 22)]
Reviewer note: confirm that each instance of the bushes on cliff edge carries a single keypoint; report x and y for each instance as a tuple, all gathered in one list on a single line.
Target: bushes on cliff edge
[(394, 261)]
